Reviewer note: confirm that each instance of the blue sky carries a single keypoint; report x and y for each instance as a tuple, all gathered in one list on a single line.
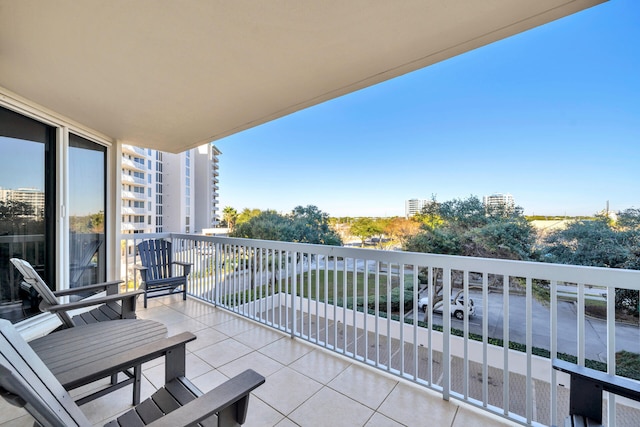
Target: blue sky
[(551, 116)]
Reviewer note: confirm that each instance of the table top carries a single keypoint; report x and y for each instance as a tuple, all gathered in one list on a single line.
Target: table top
[(67, 350)]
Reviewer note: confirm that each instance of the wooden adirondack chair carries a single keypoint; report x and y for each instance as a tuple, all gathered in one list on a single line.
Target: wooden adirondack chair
[(26, 382), (113, 306), (160, 275)]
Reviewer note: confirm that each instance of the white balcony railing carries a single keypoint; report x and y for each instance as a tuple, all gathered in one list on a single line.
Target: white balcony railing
[(133, 211), (131, 149), (350, 300), (130, 164), (132, 195)]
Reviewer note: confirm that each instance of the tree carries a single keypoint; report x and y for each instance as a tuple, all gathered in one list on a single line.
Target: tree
[(303, 225), (400, 229), (365, 228), (229, 216), (93, 223), (430, 216), (594, 243), (465, 227), (247, 214), (601, 243), (311, 225)]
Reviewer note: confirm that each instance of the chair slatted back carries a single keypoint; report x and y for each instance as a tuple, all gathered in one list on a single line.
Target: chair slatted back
[(30, 276), (23, 374), (156, 256), (82, 253)]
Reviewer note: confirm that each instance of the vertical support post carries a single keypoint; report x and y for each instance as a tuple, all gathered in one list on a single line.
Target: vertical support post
[(446, 332), (554, 349), (505, 344), (294, 292), (529, 344)]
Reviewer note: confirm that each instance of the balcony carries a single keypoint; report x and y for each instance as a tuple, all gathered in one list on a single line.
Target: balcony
[(287, 310), (133, 211), (301, 377), (132, 195), (308, 292), (131, 149), (130, 164)]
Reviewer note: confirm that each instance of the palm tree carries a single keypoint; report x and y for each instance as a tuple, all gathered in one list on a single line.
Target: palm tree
[(230, 215)]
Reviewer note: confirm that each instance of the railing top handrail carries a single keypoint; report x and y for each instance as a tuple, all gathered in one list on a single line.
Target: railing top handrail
[(22, 238)]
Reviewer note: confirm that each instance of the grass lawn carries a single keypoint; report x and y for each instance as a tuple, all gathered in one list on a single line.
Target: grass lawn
[(598, 309)]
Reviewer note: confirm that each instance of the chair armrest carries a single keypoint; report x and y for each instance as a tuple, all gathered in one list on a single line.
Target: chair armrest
[(97, 286), (143, 271), (215, 401), (612, 383), (121, 361), (185, 265), (90, 302), (587, 385)]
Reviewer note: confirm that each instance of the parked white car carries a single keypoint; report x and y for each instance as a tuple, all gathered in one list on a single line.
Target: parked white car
[(457, 306)]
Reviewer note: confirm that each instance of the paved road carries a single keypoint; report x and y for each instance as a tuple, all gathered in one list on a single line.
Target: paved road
[(627, 336)]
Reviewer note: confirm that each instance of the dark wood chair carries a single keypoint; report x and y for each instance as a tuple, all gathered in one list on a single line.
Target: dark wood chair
[(26, 382), (585, 392), (113, 306), (160, 274)]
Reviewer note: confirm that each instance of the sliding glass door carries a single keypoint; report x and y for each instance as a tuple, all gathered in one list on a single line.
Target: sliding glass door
[(27, 203)]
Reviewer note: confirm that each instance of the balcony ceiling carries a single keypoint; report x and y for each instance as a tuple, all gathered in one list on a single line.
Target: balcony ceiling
[(172, 75)]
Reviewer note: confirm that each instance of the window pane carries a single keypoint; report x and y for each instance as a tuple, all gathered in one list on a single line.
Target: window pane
[(87, 190)]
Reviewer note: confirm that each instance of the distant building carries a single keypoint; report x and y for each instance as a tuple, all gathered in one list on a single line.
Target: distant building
[(206, 191), (414, 206), (499, 200), (31, 197)]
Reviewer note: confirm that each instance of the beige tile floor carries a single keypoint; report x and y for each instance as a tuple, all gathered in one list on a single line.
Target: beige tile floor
[(305, 385)]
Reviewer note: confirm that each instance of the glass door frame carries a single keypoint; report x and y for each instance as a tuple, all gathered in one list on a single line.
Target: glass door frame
[(58, 246)]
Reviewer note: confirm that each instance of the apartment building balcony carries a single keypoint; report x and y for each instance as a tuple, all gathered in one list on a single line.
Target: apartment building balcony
[(130, 179), (133, 211), (132, 195), (130, 164), (131, 149), (349, 302), (137, 226)]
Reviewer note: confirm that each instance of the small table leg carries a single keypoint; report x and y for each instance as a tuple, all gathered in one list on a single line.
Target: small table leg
[(137, 375)]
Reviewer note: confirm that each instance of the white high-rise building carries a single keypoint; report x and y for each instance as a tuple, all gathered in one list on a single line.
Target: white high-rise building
[(206, 192), (137, 178), (414, 206), (499, 200), (165, 192)]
